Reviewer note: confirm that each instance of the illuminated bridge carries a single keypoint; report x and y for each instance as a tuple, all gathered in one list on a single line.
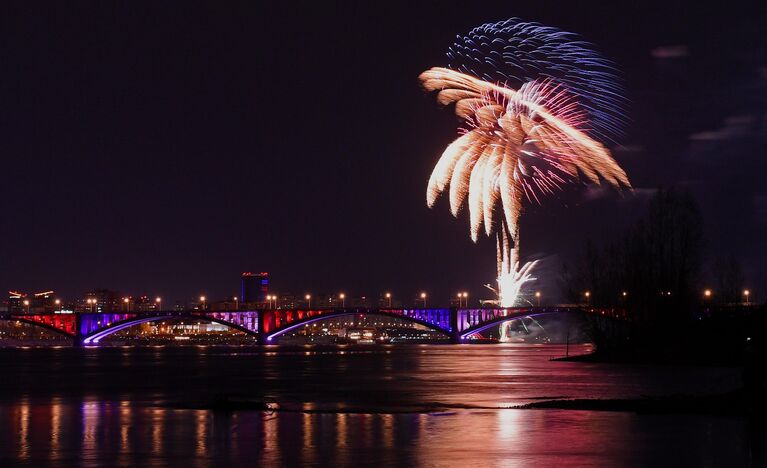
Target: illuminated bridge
[(268, 324)]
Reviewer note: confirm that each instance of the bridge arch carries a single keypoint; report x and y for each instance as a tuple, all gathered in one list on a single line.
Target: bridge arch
[(480, 327), (43, 325), (96, 336), (340, 313)]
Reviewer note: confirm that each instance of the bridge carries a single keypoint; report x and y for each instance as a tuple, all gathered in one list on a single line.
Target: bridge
[(267, 325)]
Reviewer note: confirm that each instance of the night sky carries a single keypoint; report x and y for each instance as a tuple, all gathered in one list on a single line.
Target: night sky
[(164, 147)]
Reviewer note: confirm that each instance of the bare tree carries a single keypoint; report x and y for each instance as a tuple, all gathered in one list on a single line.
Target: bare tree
[(657, 262), (729, 279)]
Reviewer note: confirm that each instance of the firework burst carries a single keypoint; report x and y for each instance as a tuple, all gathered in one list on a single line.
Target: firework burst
[(530, 99)]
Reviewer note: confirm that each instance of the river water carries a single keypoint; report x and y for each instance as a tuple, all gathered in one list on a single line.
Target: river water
[(426, 405)]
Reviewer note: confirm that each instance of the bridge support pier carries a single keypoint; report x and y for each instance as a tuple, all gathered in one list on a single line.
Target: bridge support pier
[(261, 334), (455, 335), (77, 340)]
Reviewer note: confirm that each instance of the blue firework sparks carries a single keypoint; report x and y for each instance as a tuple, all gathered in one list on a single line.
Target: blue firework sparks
[(513, 52)]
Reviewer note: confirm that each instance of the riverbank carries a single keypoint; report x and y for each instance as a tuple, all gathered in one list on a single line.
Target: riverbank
[(735, 403)]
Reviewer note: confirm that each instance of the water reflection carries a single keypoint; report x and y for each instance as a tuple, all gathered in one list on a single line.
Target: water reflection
[(271, 445), (126, 426), (201, 434), (90, 418), (98, 428), (342, 435), (144, 436), (56, 408), (22, 423)]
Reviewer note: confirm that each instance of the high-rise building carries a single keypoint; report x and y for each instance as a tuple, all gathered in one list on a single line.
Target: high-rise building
[(255, 287)]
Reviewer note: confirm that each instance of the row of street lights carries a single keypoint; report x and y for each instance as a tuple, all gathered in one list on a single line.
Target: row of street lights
[(707, 294), (127, 302), (423, 296), (27, 304), (463, 299), (271, 300)]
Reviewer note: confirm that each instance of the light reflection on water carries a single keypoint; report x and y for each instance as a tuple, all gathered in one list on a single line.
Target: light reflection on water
[(77, 421), (161, 437)]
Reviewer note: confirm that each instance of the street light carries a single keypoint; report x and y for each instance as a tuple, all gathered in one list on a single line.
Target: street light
[(26, 303), (308, 298), (463, 295), (236, 304), (58, 303), (388, 298), (538, 297), (157, 301), (126, 301), (202, 302), (588, 297), (746, 294), (342, 296), (423, 297), (707, 293)]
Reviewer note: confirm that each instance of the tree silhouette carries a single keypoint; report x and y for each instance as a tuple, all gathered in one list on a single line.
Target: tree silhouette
[(656, 263)]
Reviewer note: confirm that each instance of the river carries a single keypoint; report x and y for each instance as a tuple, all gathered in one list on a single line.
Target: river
[(406, 405)]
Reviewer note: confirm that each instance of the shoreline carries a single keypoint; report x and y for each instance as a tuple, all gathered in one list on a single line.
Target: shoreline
[(734, 403)]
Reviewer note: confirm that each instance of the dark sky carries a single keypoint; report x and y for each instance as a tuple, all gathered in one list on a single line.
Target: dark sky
[(165, 147)]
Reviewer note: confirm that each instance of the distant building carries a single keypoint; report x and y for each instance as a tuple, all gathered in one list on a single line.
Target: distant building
[(101, 300), (23, 303), (144, 304), (359, 301), (191, 304), (254, 287), (228, 304), (390, 301), (285, 301)]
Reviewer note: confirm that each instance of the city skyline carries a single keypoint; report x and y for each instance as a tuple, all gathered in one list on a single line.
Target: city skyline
[(125, 301)]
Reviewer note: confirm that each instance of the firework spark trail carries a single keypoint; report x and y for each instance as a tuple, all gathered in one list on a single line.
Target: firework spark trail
[(531, 99), (514, 52)]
